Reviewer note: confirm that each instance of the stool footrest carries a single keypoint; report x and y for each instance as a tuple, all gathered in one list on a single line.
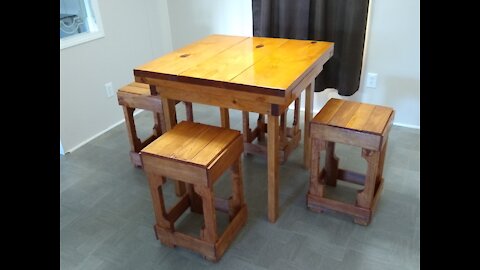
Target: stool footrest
[(178, 209), (222, 205), (285, 150), (211, 251), (321, 204), (232, 230), (352, 177)]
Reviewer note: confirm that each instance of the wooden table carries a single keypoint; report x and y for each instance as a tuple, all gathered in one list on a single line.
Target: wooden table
[(254, 74)]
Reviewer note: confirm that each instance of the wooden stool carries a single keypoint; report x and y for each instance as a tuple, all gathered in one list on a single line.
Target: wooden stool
[(197, 155), (362, 125), (137, 96), (289, 136)]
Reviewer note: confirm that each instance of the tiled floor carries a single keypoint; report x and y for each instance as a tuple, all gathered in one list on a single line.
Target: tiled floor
[(106, 215)]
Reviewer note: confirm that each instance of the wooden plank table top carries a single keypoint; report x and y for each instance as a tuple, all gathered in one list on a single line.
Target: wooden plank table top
[(254, 74)]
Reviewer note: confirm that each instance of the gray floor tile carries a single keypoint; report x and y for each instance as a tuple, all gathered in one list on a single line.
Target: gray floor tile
[(106, 216)]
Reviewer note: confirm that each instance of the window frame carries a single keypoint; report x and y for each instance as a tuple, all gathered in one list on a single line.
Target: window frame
[(81, 38)]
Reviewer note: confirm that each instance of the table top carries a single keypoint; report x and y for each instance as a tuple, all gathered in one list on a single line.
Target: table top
[(243, 63)]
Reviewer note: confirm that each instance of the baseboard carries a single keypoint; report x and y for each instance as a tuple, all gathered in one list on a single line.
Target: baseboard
[(292, 106), (406, 125), (100, 133)]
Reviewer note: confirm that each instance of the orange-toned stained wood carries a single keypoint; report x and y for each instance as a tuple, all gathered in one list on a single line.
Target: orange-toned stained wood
[(192, 142), (344, 114), (248, 63), (171, 141), (136, 88), (215, 147), (228, 64), (182, 59), (285, 65), (328, 111), (354, 116), (378, 119), (361, 116)]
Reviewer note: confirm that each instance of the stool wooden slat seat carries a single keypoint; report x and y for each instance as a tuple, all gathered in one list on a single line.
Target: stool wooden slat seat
[(358, 124), (137, 96), (197, 155)]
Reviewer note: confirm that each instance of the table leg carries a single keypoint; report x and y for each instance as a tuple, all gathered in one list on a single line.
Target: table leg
[(273, 167), (170, 122), (169, 113), (224, 117), (308, 118)]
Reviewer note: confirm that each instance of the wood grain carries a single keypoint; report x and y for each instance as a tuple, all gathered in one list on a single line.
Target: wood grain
[(231, 62), (187, 57), (179, 157), (358, 124), (355, 116)]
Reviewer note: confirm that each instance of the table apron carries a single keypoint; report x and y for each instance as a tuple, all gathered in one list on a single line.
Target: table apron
[(226, 98)]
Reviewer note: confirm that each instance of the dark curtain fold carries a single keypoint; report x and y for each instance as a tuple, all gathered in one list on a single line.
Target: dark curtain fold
[(343, 22)]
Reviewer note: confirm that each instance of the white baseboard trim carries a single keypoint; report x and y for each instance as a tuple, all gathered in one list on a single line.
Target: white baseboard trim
[(406, 125), (292, 106), (100, 133), (139, 111)]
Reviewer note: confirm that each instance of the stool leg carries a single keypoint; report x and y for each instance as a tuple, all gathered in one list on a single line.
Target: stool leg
[(283, 129), (237, 199), (135, 143), (195, 200), (365, 197), (381, 162), (224, 118), (317, 183), (306, 124), (296, 116), (331, 164), (159, 127), (246, 127), (261, 127), (170, 117), (189, 111), (158, 202), (209, 231)]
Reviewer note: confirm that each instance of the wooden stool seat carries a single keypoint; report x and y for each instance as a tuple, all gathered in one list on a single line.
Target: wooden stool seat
[(196, 154), (137, 96), (358, 124)]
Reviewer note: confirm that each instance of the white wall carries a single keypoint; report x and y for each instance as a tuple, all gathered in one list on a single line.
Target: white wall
[(393, 51), (191, 20), (62, 152), (135, 32), (138, 30), (392, 47)]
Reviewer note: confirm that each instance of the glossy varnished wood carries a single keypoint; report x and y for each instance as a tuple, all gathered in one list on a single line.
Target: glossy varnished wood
[(197, 154), (251, 74), (358, 124), (138, 96), (194, 54), (354, 116), (193, 143), (269, 66)]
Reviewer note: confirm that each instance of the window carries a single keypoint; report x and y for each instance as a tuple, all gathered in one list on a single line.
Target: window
[(79, 22)]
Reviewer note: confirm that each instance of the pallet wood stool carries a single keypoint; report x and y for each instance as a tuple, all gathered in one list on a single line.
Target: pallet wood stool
[(358, 124), (197, 155), (289, 136), (137, 96)]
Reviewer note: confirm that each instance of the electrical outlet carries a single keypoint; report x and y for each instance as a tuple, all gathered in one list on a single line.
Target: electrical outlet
[(372, 80), (109, 89)]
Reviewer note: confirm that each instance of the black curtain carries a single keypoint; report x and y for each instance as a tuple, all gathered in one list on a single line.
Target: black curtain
[(341, 21)]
